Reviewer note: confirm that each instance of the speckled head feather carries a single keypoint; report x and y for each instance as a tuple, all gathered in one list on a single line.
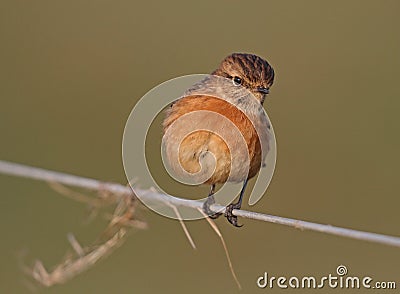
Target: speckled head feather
[(253, 72)]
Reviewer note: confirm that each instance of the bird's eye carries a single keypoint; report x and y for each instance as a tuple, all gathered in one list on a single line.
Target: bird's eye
[(237, 81)]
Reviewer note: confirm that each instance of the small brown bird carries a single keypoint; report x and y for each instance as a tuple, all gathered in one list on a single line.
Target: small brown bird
[(252, 73)]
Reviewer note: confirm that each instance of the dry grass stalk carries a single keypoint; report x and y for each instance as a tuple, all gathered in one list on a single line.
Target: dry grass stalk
[(218, 232), (185, 230), (74, 266), (85, 257)]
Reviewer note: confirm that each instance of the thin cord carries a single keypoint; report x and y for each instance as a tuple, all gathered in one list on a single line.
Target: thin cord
[(25, 171)]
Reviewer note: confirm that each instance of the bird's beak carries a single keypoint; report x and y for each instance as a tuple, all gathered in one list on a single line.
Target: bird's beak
[(263, 90)]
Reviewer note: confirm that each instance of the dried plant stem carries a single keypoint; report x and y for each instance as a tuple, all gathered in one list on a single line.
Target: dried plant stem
[(218, 232), (15, 169), (72, 267), (185, 230)]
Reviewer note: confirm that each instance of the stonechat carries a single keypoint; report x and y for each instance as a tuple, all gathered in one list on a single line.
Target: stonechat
[(256, 76)]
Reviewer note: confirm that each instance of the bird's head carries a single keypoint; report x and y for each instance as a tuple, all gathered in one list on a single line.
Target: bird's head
[(248, 70)]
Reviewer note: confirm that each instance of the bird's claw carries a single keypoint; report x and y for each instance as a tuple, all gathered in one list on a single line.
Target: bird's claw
[(233, 219), (207, 210)]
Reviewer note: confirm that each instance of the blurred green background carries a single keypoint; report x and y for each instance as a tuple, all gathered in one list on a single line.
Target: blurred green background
[(71, 72)]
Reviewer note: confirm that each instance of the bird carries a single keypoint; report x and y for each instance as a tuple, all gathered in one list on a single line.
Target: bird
[(245, 71)]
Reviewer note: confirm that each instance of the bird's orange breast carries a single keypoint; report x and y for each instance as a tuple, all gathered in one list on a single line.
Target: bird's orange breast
[(198, 142)]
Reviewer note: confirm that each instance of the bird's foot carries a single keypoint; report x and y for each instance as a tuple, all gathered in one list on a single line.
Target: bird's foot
[(207, 210), (233, 219)]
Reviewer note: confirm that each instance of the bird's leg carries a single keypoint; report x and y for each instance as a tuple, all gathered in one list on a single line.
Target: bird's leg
[(210, 200), (228, 211)]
